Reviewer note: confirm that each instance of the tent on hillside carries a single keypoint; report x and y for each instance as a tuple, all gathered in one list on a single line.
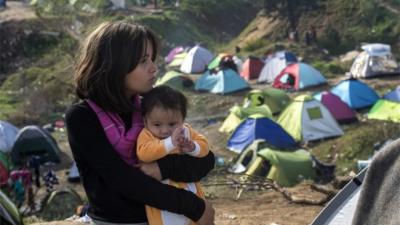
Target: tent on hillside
[(339, 110), (393, 95), (175, 80), (375, 60), (237, 114), (8, 135), (259, 128), (307, 119), (276, 99), (223, 82), (60, 204), (297, 76), (385, 110), (9, 213), (177, 61), (340, 209), (216, 61), (355, 93), (273, 67), (171, 54), (251, 68), (34, 141), (196, 60)]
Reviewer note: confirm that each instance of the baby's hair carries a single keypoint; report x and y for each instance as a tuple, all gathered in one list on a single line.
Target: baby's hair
[(165, 97)]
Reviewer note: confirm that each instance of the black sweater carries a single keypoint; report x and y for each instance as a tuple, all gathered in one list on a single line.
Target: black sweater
[(116, 191)]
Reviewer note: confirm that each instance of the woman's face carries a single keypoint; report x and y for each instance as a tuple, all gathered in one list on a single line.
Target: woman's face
[(142, 78)]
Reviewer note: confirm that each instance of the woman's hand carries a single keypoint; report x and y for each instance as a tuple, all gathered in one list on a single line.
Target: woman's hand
[(151, 169), (208, 215)]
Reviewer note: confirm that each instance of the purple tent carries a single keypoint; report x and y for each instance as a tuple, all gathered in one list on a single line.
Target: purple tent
[(339, 109), (172, 53)]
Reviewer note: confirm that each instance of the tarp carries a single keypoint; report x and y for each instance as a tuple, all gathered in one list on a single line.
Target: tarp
[(376, 59), (259, 128), (306, 119), (339, 110), (297, 76), (223, 82), (355, 93), (275, 65), (196, 60), (8, 135), (385, 110)]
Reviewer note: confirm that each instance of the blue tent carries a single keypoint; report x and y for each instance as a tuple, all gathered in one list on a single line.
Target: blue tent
[(393, 95), (259, 128), (225, 81), (355, 93)]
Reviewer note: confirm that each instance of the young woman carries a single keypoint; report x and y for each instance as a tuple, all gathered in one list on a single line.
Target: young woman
[(117, 66)]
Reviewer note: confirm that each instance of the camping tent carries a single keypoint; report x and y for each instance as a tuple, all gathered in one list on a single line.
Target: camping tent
[(307, 119), (171, 54), (339, 110), (237, 114), (340, 210), (355, 93), (8, 135), (34, 140), (196, 60), (385, 110), (216, 61), (276, 99), (393, 95), (223, 82), (9, 213), (73, 173), (251, 68), (175, 80), (275, 65), (177, 60), (297, 76), (259, 128), (375, 60), (60, 204)]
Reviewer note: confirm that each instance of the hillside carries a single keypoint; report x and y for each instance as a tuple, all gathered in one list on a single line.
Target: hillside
[(38, 55)]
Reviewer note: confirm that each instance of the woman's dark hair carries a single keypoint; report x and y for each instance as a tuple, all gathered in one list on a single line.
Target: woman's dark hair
[(165, 97), (109, 53)]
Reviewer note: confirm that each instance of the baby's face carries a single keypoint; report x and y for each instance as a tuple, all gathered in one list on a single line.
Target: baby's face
[(162, 122)]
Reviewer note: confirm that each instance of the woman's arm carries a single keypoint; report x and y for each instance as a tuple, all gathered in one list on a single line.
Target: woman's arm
[(91, 148), (186, 168)]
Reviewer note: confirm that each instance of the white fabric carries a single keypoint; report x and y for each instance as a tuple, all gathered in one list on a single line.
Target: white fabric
[(8, 136), (345, 214), (314, 129), (196, 60), (169, 218), (376, 49)]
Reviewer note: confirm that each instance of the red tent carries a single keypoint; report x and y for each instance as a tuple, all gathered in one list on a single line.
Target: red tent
[(251, 68)]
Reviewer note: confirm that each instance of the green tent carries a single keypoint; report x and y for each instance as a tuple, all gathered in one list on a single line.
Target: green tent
[(34, 141), (288, 168), (178, 59), (175, 80), (238, 114), (276, 99), (385, 110), (215, 62), (60, 204), (307, 119), (9, 213)]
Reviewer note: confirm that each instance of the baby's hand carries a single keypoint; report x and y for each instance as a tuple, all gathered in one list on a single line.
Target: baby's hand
[(187, 146), (178, 136)]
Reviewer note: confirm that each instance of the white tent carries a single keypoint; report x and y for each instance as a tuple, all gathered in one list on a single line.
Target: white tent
[(196, 60), (307, 119), (376, 59), (340, 210), (8, 135), (274, 66)]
